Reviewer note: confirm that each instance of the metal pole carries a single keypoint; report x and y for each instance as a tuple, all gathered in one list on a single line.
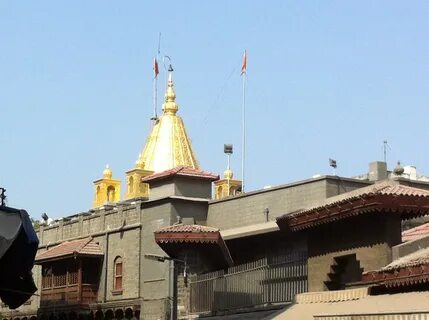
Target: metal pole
[(243, 155), (155, 98), (229, 192)]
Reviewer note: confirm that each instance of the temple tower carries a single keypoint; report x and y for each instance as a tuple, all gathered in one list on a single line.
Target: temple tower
[(227, 186), (168, 145), (136, 188), (107, 190)]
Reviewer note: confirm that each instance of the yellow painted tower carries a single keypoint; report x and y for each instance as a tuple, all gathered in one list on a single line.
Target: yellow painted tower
[(168, 145), (227, 186), (135, 187), (107, 190)]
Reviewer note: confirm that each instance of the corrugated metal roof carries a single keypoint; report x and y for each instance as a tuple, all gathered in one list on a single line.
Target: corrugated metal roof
[(401, 306)]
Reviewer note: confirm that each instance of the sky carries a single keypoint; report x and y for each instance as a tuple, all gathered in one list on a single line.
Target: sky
[(326, 79)]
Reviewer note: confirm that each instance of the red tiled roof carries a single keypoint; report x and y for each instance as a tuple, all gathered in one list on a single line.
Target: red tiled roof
[(195, 228), (415, 233), (416, 258), (86, 247), (410, 269), (171, 239), (182, 171), (187, 233), (388, 195)]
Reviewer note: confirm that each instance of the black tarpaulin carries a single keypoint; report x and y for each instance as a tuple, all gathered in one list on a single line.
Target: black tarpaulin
[(18, 248)]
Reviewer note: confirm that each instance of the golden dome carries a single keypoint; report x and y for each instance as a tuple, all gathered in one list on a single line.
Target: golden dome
[(107, 173), (168, 145), (140, 162), (228, 174)]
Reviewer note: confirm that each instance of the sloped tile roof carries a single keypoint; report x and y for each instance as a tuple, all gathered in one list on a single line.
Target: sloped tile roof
[(415, 233), (84, 246), (187, 228), (413, 259), (172, 238), (327, 210), (407, 270), (182, 171)]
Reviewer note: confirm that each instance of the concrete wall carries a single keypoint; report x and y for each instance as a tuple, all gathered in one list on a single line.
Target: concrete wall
[(370, 237), (155, 275), (186, 209), (196, 188), (250, 208), (161, 189)]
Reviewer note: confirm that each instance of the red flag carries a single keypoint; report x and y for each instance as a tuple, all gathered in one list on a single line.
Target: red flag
[(155, 67), (244, 64)]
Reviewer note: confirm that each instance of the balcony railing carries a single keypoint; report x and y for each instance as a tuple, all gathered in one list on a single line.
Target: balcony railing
[(69, 294), (273, 279)]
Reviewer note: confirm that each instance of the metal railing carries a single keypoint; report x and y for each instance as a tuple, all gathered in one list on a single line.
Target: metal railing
[(273, 279)]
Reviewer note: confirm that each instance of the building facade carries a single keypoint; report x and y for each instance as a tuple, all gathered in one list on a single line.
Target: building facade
[(232, 250)]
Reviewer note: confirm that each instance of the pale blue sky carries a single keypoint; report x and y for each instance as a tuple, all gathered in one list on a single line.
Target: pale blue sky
[(325, 79)]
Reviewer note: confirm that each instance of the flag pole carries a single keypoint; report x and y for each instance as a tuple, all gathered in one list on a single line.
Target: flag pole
[(243, 110), (155, 97), (155, 80)]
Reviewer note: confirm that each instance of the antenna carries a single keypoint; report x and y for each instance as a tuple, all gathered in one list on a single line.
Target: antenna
[(385, 147)]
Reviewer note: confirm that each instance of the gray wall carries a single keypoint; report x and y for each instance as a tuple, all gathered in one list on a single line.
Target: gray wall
[(196, 188), (249, 208)]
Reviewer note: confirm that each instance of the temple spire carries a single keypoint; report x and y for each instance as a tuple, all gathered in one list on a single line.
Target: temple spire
[(168, 144), (170, 106)]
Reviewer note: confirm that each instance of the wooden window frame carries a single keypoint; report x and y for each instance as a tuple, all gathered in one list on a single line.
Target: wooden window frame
[(118, 277)]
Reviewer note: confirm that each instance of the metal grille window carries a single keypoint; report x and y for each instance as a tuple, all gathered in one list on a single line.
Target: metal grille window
[(118, 274)]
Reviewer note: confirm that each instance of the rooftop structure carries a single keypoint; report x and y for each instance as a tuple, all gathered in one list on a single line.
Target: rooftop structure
[(168, 145)]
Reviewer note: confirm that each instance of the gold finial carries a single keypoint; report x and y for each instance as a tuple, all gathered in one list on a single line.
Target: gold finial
[(228, 174), (170, 106), (140, 162), (107, 173)]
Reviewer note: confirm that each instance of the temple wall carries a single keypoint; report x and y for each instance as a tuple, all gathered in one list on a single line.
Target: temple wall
[(195, 188), (250, 208), (372, 245), (155, 275)]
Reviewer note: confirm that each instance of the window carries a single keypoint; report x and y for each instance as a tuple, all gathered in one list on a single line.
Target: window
[(118, 273), (111, 194), (130, 185)]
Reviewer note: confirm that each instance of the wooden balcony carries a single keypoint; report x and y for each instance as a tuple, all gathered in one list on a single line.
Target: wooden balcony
[(67, 282), (72, 294)]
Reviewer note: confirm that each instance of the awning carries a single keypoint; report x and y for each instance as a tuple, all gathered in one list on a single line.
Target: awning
[(388, 196), (18, 247), (173, 239)]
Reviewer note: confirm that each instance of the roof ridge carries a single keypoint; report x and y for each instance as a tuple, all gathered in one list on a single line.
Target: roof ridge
[(84, 244)]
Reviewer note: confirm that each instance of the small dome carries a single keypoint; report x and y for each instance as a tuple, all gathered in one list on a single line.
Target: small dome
[(107, 173), (140, 162), (227, 174)]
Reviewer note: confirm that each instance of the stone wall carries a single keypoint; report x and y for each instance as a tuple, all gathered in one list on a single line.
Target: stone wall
[(250, 208), (369, 237)]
